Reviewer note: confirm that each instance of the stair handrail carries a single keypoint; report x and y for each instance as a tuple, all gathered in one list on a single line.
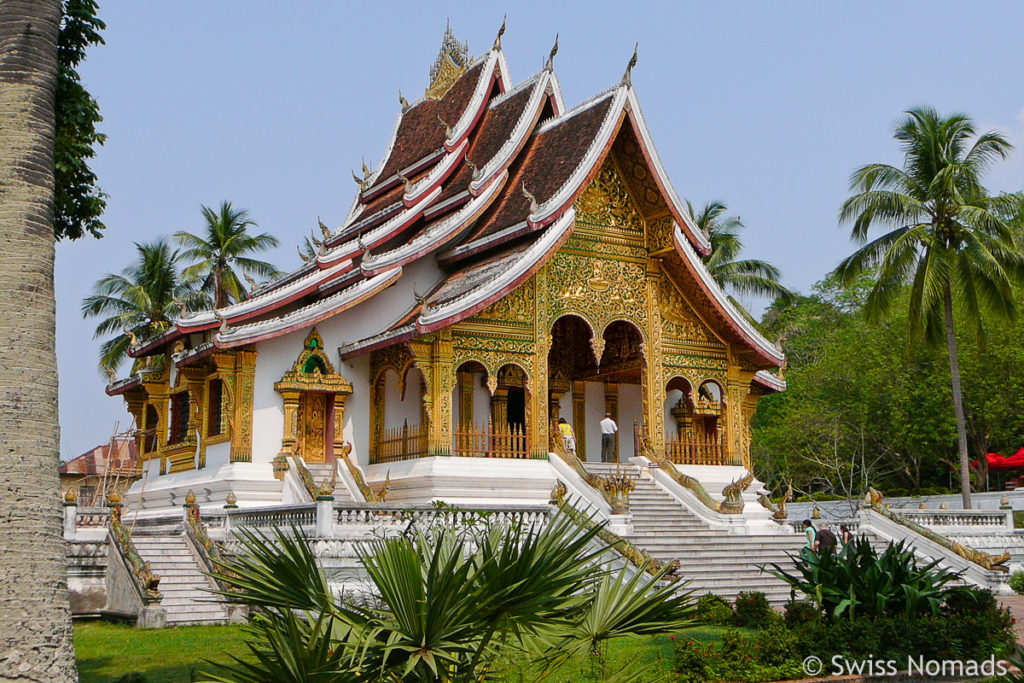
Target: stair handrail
[(356, 474), (206, 549), (143, 580), (978, 557), (635, 556), (595, 481)]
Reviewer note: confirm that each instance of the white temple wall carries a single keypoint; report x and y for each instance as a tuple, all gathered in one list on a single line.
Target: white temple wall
[(218, 454), (400, 411), (594, 397), (565, 409), (357, 407), (630, 408), (481, 400), (274, 357)]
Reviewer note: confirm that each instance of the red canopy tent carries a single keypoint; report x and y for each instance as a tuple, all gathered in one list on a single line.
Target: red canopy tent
[(999, 463)]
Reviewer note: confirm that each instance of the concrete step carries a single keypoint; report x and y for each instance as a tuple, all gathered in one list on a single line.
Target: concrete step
[(182, 581)]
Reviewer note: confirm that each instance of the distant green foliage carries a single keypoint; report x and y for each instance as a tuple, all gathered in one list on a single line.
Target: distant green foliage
[(800, 612), (78, 200), (1017, 581)]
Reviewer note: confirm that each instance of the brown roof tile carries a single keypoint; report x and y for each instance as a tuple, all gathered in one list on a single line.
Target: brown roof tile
[(94, 461)]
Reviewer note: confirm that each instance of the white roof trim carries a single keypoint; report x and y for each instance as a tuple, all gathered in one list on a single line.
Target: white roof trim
[(514, 142), (438, 234), (579, 174), (484, 241), (273, 296), (548, 124), (556, 92), (771, 380), (436, 173), (683, 245), (502, 69), (659, 168), (350, 248), (308, 313), (551, 235)]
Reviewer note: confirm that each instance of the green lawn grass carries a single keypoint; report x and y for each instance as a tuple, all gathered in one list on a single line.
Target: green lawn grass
[(106, 652)]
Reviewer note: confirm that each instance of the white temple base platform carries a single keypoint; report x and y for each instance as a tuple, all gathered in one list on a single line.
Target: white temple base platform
[(253, 484), (465, 481)]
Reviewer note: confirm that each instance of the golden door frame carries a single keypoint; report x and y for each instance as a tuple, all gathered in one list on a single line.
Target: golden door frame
[(314, 394)]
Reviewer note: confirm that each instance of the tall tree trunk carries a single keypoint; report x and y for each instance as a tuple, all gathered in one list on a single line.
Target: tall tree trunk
[(958, 399), (35, 619)]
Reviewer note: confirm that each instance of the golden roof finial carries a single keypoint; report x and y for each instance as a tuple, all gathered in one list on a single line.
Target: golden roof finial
[(70, 496), (324, 230), (550, 64), (451, 62), (401, 100), (627, 78), (190, 497), (533, 200)]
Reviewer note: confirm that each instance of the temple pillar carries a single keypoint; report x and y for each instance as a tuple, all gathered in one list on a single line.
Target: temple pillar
[(338, 421), (556, 388), (195, 380), (442, 382), (653, 360), (579, 418), (737, 439), (499, 405), (245, 373), (290, 437), (466, 388), (683, 418)]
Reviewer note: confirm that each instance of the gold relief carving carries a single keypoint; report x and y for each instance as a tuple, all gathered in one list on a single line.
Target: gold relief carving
[(452, 61), (680, 323), (718, 366), (598, 290), (397, 357), (654, 369), (241, 441), (659, 233), (514, 307), (606, 202), (591, 242)]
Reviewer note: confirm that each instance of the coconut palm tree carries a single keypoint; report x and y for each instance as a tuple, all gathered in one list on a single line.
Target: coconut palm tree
[(225, 247), (35, 615), (947, 238), (745, 277), (146, 298)]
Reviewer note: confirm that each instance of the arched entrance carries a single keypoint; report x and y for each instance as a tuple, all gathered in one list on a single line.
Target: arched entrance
[(693, 423), (582, 389), (487, 424)]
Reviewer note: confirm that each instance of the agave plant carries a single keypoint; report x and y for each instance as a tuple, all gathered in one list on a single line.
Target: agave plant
[(859, 582), (445, 605)]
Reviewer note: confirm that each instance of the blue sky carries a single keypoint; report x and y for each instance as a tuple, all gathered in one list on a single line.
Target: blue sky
[(767, 106)]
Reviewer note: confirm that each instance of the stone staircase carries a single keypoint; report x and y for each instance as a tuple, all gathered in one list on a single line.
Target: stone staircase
[(185, 588), (324, 471), (711, 560)]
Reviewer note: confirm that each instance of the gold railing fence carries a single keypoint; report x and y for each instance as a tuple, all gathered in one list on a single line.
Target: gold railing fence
[(491, 441), (400, 443), (696, 451)]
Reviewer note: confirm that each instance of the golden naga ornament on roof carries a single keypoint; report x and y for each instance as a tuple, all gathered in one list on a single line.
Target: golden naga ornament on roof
[(452, 61)]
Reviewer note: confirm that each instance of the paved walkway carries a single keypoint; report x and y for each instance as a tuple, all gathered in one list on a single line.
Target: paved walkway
[(1016, 605)]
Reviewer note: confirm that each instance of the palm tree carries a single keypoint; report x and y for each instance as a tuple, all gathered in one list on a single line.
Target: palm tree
[(948, 238), (223, 249), (35, 614), (447, 602), (746, 277), (146, 298)]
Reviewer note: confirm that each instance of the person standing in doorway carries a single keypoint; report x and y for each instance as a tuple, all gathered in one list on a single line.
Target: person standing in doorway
[(568, 438), (608, 429)]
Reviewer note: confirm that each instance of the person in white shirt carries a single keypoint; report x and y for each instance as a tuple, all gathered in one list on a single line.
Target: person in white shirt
[(608, 429)]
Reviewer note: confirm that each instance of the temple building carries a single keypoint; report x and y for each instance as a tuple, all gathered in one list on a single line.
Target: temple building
[(509, 262)]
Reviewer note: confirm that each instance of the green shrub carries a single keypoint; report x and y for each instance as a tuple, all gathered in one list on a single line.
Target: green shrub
[(713, 609), (1017, 581), (691, 660), (857, 581), (775, 644), (800, 612), (751, 609)]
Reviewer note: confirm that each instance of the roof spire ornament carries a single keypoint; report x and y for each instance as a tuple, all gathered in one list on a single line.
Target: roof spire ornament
[(314, 240), (627, 78), (324, 230), (472, 167), (550, 64), (420, 300), (501, 32), (361, 182), (447, 128), (405, 181), (305, 259), (253, 285), (533, 200), (224, 329), (401, 100), (451, 62)]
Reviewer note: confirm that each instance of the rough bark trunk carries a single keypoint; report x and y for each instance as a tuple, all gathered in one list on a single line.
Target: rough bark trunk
[(35, 620), (958, 399)]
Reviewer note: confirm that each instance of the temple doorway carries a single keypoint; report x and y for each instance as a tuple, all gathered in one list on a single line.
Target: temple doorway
[(313, 427)]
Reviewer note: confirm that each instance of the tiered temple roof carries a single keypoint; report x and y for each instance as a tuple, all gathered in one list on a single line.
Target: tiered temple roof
[(481, 177)]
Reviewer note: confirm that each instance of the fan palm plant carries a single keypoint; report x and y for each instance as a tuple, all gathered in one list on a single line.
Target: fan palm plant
[(143, 300), (223, 253), (745, 277), (445, 603), (947, 237)]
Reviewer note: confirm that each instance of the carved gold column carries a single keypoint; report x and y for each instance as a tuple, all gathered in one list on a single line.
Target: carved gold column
[(466, 390), (290, 438), (441, 385), (737, 388), (339, 423), (579, 418), (245, 373), (499, 406), (556, 388), (684, 420), (654, 397)]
